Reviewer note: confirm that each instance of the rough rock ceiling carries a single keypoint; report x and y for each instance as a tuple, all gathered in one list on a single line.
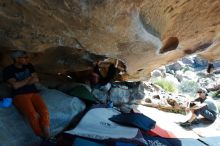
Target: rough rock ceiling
[(67, 35)]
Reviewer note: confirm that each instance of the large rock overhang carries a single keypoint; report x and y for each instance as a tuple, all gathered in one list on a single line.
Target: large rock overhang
[(68, 35)]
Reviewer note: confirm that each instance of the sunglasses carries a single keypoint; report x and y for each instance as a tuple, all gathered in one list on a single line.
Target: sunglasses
[(200, 92)]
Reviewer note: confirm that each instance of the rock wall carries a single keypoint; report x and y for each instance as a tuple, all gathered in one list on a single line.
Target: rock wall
[(68, 35)]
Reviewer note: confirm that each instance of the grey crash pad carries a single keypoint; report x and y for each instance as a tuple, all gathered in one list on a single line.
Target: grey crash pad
[(15, 131), (191, 142), (211, 141)]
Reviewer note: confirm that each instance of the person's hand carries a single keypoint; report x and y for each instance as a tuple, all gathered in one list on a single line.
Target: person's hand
[(197, 105), (33, 80), (27, 80)]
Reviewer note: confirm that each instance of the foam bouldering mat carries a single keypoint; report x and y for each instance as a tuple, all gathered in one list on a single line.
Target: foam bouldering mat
[(191, 142), (207, 129), (211, 141), (85, 142), (168, 123)]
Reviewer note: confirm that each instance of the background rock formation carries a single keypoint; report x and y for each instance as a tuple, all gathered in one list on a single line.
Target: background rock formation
[(68, 35)]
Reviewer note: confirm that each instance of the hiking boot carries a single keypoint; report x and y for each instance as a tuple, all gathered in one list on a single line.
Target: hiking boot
[(186, 124), (52, 140), (49, 142)]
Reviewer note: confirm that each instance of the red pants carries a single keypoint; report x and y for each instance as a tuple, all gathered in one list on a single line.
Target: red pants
[(34, 109)]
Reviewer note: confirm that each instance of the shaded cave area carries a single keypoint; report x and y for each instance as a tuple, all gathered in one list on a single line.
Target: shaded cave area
[(162, 55)]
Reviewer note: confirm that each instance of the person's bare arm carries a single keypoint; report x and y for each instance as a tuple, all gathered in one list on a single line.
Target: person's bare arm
[(198, 105), (33, 79), (18, 84), (28, 81)]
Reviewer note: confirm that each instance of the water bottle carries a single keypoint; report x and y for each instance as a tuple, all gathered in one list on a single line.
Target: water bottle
[(6, 102)]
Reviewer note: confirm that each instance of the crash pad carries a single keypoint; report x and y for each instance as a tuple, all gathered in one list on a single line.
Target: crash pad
[(98, 126), (211, 141), (82, 92), (84, 142), (167, 122)]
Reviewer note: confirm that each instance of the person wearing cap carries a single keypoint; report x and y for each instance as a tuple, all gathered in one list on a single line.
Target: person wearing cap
[(203, 105), (21, 77)]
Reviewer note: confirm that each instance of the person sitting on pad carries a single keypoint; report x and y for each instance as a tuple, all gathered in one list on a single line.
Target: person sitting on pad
[(22, 77), (203, 105)]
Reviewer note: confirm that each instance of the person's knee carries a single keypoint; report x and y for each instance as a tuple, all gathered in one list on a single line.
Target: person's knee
[(192, 110), (45, 119)]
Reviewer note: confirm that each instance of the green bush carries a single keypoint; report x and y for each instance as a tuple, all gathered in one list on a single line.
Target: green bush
[(215, 94), (166, 85)]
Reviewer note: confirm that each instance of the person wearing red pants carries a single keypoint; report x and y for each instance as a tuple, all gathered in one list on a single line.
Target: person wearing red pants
[(21, 77)]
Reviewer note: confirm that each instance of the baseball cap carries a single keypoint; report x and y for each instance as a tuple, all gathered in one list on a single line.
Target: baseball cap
[(18, 53), (201, 90)]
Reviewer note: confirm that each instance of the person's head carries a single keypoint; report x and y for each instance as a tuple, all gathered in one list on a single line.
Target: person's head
[(20, 57), (202, 92)]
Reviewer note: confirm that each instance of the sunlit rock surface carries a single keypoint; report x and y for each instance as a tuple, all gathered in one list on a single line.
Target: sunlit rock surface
[(68, 35)]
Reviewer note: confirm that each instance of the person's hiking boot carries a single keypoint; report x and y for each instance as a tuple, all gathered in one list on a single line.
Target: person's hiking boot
[(49, 142), (186, 124)]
